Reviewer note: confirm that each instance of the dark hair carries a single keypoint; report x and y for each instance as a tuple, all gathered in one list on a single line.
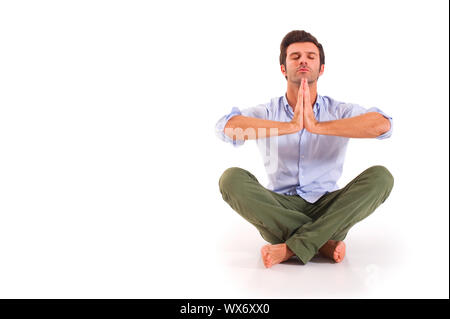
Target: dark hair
[(299, 36)]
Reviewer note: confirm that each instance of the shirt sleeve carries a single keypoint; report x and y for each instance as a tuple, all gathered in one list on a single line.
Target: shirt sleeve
[(351, 110), (260, 111)]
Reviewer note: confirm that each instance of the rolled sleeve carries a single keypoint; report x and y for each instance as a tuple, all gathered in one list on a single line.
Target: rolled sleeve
[(260, 111), (221, 125)]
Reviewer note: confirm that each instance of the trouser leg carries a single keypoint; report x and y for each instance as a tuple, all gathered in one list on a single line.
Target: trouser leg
[(276, 216), (335, 213)]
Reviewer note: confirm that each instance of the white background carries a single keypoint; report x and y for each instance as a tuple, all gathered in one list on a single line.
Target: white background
[(109, 165)]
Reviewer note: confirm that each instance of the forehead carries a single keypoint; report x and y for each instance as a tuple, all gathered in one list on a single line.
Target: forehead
[(302, 47)]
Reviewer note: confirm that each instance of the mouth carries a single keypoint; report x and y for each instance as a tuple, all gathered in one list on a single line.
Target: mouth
[(302, 70)]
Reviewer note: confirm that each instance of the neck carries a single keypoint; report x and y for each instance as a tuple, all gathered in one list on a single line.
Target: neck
[(292, 93)]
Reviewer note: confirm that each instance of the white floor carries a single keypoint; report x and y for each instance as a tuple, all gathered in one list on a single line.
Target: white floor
[(212, 252), (379, 263), (359, 275)]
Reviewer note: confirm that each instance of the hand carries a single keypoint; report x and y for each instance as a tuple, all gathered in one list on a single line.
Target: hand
[(297, 120), (309, 120)]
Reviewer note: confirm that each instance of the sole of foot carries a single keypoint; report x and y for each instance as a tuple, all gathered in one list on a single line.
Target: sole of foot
[(334, 250)]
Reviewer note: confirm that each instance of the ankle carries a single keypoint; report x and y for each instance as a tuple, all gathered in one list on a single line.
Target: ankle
[(289, 253)]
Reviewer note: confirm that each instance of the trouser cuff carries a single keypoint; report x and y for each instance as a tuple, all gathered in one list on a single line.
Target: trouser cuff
[(299, 249)]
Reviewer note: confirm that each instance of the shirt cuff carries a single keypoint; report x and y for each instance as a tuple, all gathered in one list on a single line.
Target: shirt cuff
[(221, 125), (388, 133)]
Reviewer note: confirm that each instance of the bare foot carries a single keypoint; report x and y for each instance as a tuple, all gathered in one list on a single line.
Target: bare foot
[(275, 254), (333, 249)]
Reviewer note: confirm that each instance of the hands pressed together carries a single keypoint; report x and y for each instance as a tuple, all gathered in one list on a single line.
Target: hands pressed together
[(303, 114)]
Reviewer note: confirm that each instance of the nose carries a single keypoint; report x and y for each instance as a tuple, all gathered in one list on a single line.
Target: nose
[(303, 61)]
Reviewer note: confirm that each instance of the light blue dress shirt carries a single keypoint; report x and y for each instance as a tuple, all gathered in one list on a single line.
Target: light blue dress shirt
[(308, 165)]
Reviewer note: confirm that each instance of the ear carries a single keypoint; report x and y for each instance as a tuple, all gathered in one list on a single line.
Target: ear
[(283, 69), (322, 69)]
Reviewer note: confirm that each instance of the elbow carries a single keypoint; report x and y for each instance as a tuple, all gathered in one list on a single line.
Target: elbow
[(226, 128), (230, 130), (383, 127), (233, 131), (229, 125)]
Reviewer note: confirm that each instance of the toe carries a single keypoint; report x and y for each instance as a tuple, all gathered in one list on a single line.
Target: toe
[(339, 252), (267, 262)]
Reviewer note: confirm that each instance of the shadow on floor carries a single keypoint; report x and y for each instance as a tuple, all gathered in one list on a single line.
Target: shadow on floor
[(317, 259)]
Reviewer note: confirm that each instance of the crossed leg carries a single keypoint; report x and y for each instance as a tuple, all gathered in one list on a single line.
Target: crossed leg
[(296, 227)]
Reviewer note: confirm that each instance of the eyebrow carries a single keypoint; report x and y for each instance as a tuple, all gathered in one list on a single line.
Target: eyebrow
[(308, 52)]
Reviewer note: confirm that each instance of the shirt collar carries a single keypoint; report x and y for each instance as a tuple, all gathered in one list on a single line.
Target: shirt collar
[(317, 105)]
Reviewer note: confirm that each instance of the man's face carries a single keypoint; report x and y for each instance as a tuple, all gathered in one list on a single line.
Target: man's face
[(302, 61)]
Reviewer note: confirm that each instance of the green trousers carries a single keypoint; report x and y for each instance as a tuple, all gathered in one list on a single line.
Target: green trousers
[(303, 226)]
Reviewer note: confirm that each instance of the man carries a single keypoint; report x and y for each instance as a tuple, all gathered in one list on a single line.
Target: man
[(303, 212)]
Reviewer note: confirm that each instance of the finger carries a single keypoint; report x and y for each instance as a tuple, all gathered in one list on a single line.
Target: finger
[(307, 95), (300, 95), (301, 88), (300, 98), (298, 112)]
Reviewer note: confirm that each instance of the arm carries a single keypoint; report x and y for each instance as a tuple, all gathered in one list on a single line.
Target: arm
[(243, 128), (369, 125)]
